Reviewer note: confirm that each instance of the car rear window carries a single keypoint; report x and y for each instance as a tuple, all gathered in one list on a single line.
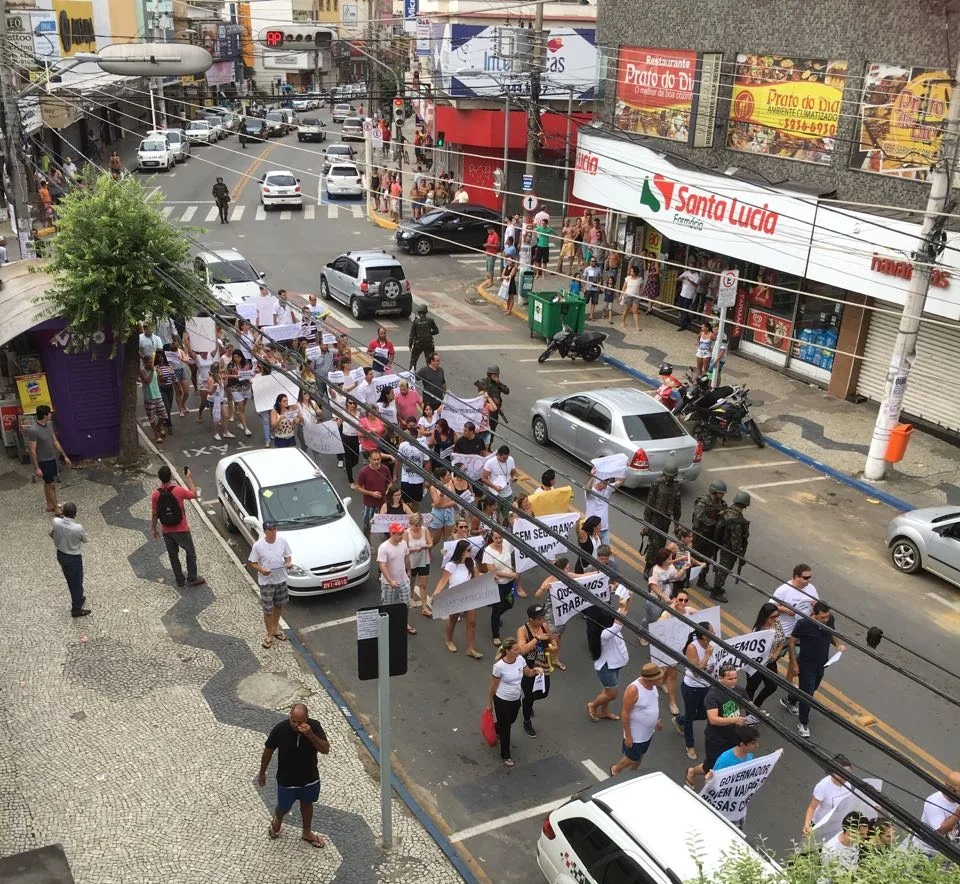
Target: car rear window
[(274, 116), (173, 137), (382, 274), (651, 427), (310, 121), (153, 146), (281, 180), (344, 172), (340, 151), (353, 121)]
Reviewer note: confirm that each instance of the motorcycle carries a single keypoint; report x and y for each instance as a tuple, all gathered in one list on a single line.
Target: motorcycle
[(588, 346), (720, 413)]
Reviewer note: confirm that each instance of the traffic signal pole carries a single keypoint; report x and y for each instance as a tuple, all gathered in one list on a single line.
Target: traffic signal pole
[(398, 118)]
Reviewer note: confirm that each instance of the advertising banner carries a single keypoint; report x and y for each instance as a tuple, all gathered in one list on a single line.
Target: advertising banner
[(770, 330), (655, 91), (75, 26), (902, 115), (32, 390), (786, 107), (729, 790)]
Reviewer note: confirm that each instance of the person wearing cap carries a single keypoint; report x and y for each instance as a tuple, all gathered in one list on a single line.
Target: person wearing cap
[(221, 196), (496, 390), (662, 509), (536, 643), (732, 536), (640, 715), (706, 515), (423, 332), (270, 556), (393, 558)]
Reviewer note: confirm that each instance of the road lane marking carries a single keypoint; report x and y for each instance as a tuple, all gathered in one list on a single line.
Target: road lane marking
[(285, 215), (152, 191), (939, 598), (237, 213), (212, 214), (754, 466), (308, 211), (188, 213), (344, 319), (357, 211), (332, 211), (784, 482), (261, 214), (248, 174), (328, 623), (592, 368), (509, 820), (595, 769), (167, 211), (572, 383)]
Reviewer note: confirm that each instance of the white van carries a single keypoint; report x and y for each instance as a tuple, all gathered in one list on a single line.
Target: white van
[(645, 830)]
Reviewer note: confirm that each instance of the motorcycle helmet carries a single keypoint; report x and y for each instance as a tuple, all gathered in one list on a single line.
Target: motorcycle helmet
[(670, 469), (665, 369), (741, 498), (718, 486)]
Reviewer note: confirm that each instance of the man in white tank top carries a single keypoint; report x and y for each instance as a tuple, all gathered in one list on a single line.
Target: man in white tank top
[(640, 714)]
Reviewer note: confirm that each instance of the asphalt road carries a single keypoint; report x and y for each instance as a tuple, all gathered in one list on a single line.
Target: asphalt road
[(797, 515)]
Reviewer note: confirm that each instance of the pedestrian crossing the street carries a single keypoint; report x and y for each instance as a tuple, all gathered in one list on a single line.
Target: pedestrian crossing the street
[(207, 214)]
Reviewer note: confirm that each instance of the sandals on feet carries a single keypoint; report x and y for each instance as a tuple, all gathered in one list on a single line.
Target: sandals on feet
[(411, 630), (314, 840), (591, 714), (279, 636), (267, 643), (272, 833)]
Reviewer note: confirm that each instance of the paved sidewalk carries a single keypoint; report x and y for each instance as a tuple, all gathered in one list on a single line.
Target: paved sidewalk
[(801, 416), (132, 737)]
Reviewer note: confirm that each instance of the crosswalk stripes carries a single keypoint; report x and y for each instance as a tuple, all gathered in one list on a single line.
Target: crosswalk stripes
[(333, 211), (237, 213), (285, 215), (308, 211), (357, 211), (167, 211), (311, 212), (261, 214), (212, 215), (188, 214)]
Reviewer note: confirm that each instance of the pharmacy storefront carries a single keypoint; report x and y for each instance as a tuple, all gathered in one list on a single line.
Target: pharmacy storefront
[(807, 268)]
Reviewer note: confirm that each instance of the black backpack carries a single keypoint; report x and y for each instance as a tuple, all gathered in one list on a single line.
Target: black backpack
[(169, 511)]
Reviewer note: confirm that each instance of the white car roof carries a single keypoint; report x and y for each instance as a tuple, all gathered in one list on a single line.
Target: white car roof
[(278, 172), (215, 256), (199, 124), (351, 166), (278, 466)]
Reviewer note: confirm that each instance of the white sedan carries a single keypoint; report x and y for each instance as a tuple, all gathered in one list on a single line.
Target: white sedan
[(344, 179), (155, 153), (200, 132), (283, 485), (280, 188)]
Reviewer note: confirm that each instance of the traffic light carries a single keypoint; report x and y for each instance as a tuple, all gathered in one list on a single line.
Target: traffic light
[(398, 110), (303, 39), (441, 139)]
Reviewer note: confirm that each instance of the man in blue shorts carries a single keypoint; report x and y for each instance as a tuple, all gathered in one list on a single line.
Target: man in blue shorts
[(296, 742), (640, 716)]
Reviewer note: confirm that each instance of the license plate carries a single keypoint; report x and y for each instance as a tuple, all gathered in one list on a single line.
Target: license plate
[(333, 584)]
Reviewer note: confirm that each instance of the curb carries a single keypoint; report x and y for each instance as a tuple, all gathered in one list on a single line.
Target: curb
[(484, 291), (446, 846), (860, 485), (380, 221)]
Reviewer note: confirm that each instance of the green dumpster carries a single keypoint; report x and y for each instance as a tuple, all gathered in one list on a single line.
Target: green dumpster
[(547, 311), (526, 285)]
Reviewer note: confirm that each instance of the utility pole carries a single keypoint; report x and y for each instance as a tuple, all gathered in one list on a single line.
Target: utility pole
[(927, 254), (566, 155), (506, 157), (533, 111), (19, 198)]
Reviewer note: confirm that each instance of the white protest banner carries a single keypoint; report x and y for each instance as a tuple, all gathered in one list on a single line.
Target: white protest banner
[(356, 374), (755, 645), (245, 374), (385, 382), (312, 352), (730, 790), (471, 464), (831, 824), (388, 413), (247, 311), (382, 353), (476, 544), (458, 411), (543, 543), (266, 388), (203, 334), (467, 596), (612, 466), (324, 438), (282, 332), (328, 339), (674, 633), (382, 521), (567, 603), (173, 358), (336, 377)]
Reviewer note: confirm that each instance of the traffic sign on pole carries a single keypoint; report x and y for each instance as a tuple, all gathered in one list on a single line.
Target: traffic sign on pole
[(528, 182), (530, 202), (727, 291), (368, 125)]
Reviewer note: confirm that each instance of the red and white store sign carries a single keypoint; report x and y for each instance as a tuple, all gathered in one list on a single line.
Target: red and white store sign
[(762, 225)]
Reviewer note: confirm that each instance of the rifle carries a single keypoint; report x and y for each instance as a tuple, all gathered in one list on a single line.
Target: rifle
[(739, 568)]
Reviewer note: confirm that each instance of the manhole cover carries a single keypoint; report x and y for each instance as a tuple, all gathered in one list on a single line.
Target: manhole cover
[(475, 301)]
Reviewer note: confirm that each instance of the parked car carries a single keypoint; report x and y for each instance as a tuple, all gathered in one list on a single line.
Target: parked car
[(155, 154), (463, 228), (338, 153), (305, 103), (290, 118), (276, 124), (312, 129), (285, 486), (253, 130), (217, 122), (178, 141), (622, 420), (342, 111), (343, 179), (280, 188), (352, 129), (231, 121), (200, 132), (927, 538), (228, 276), (368, 282), (644, 830)]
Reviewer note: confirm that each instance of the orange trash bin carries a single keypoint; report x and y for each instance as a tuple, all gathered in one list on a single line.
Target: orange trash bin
[(897, 446)]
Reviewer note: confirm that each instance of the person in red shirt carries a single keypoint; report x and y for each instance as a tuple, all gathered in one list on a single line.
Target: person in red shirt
[(166, 503), (371, 430), (381, 361), (408, 401), (372, 482), (491, 246)]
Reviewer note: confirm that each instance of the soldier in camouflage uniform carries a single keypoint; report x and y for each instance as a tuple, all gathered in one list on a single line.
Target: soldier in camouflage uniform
[(706, 515), (732, 536), (662, 511)]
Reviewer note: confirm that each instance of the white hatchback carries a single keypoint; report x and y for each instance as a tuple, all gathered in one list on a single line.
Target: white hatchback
[(285, 486), (280, 188), (155, 154), (344, 179), (200, 132)]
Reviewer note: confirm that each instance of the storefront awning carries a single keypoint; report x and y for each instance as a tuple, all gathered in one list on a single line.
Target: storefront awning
[(19, 310)]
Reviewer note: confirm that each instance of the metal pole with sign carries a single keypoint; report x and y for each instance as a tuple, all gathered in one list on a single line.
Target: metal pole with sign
[(506, 159), (726, 299)]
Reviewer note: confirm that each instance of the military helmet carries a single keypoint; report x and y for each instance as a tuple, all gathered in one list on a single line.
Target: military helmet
[(718, 486), (741, 498), (493, 369), (422, 309), (670, 469)]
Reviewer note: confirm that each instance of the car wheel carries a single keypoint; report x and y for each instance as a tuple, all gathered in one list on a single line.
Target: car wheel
[(324, 289), (300, 139), (355, 309), (231, 528), (423, 246), (540, 434), (905, 555)]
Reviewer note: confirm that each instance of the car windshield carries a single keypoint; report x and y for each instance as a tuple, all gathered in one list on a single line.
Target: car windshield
[(432, 217), (340, 150), (198, 124), (231, 271), (252, 123), (275, 116), (344, 172), (213, 118), (300, 504), (651, 427), (281, 181), (381, 274), (151, 146), (173, 137)]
